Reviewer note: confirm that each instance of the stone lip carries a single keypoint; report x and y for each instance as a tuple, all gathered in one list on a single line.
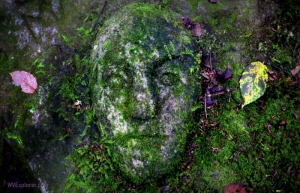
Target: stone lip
[(143, 91)]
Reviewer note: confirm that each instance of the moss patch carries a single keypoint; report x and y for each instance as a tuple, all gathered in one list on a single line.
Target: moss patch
[(257, 146)]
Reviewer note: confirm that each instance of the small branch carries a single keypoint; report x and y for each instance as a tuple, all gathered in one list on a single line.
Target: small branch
[(99, 15), (278, 68), (211, 67), (205, 107)]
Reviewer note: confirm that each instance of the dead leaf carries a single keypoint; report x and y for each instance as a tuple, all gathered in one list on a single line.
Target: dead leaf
[(215, 149), (295, 70), (209, 75), (193, 26), (233, 188), (187, 23), (196, 30), (215, 1), (209, 102), (273, 76), (297, 116), (26, 80), (227, 74), (217, 90), (224, 75), (282, 123)]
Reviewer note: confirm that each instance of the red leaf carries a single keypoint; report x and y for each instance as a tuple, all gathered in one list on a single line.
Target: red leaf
[(26, 80)]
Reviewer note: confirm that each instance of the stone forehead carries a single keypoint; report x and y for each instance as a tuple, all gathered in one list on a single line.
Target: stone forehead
[(144, 35)]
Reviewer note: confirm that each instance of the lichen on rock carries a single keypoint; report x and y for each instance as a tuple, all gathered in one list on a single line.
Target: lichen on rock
[(143, 91)]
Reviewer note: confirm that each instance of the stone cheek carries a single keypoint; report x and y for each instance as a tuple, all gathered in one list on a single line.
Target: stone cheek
[(141, 96)]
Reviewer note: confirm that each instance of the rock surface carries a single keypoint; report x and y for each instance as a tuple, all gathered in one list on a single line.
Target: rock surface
[(33, 30), (143, 91)]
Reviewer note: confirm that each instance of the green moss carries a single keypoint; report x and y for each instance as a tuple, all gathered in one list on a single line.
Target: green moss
[(14, 122), (194, 4), (253, 149), (249, 153), (282, 57)]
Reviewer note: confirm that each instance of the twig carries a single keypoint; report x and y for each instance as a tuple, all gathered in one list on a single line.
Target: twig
[(295, 47), (210, 64), (99, 15), (278, 68), (205, 107), (58, 47)]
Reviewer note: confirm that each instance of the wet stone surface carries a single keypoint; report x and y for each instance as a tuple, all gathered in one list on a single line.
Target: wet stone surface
[(142, 89), (32, 31)]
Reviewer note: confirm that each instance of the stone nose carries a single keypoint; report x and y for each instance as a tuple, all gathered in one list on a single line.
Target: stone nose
[(143, 96)]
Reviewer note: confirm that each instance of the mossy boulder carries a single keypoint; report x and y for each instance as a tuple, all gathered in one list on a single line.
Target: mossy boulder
[(143, 90)]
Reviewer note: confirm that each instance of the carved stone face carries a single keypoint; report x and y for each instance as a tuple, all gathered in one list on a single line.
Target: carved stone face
[(143, 91)]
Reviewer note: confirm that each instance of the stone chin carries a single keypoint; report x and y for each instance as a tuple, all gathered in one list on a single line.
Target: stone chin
[(143, 92)]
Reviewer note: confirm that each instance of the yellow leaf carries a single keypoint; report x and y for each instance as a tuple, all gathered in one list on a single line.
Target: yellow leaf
[(253, 82)]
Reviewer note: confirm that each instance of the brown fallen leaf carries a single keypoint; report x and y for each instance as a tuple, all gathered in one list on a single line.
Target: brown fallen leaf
[(209, 102), (295, 70), (215, 1), (217, 90), (273, 76), (194, 27), (85, 142), (196, 30), (297, 116), (227, 74), (224, 75), (282, 123), (233, 188)]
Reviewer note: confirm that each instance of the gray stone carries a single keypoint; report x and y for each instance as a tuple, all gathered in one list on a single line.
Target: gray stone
[(144, 91)]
